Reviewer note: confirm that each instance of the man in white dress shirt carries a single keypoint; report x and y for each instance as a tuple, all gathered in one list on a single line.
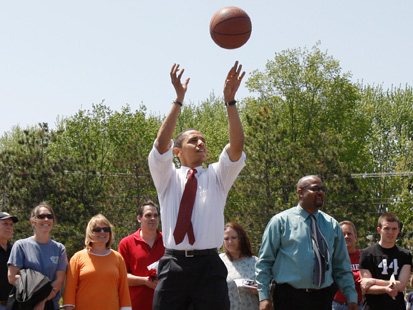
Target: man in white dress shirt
[(191, 272)]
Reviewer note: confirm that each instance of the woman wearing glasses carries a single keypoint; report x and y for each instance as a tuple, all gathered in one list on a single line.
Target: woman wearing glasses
[(40, 253), (96, 277)]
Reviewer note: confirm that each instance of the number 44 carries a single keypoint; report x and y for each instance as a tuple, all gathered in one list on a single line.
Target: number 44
[(393, 265)]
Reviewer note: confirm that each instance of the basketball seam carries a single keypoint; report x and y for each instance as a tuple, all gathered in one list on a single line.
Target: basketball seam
[(229, 34), (232, 18)]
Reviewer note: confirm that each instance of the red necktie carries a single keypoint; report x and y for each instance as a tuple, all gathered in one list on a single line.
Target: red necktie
[(183, 223)]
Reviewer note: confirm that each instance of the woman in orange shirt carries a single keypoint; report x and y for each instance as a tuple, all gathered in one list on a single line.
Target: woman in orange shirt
[(96, 277)]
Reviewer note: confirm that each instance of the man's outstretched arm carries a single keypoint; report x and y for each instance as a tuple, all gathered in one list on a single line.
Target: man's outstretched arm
[(236, 133), (163, 140)]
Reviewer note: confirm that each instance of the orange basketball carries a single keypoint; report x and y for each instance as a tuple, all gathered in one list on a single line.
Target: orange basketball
[(230, 27)]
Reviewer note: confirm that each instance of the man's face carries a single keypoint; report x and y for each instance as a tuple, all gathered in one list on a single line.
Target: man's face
[(388, 232), (350, 237), (311, 193), (6, 229), (193, 152), (149, 219)]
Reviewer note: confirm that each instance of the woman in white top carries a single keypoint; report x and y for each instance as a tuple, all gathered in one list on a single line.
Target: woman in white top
[(240, 262)]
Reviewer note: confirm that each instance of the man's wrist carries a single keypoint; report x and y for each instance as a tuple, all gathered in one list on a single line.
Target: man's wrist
[(231, 102), (178, 102)]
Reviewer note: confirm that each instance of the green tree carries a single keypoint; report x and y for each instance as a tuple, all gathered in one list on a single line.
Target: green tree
[(304, 121), (111, 176), (388, 172), (29, 175), (307, 117)]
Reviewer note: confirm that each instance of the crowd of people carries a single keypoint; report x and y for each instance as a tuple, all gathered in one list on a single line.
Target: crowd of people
[(307, 259)]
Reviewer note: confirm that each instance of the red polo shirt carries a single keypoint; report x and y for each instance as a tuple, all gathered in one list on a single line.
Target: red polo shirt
[(138, 255)]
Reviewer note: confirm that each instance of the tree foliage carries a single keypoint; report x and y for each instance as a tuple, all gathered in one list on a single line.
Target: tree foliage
[(304, 121), (304, 116)]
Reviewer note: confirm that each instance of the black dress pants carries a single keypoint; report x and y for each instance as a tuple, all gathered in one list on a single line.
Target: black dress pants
[(286, 297), (197, 283)]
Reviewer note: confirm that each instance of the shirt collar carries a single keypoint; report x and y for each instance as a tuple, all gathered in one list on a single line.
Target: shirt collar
[(9, 244), (304, 214), (185, 170), (138, 237)]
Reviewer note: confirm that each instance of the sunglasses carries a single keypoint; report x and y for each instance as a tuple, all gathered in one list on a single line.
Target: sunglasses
[(99, 229), (317, 189), (43, 216)]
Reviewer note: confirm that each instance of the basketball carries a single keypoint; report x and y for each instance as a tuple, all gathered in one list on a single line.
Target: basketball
[(230, 27)]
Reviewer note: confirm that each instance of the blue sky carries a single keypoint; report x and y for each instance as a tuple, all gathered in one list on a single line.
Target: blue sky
[(57, 57)]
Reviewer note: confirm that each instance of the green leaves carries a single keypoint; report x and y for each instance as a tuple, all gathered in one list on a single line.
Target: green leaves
[(306, 117)]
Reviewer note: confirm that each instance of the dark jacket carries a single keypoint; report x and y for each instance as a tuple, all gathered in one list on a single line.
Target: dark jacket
[(31, 288)]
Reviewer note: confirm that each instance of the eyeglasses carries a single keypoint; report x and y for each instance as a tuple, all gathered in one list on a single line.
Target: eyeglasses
[(99, 229), (316, 188), (43, 216)]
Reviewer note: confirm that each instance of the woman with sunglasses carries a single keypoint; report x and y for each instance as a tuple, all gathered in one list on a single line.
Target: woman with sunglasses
[(40, 253), (97, 277)]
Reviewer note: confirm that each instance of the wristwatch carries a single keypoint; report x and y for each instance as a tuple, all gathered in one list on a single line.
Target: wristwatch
[(232, 102)]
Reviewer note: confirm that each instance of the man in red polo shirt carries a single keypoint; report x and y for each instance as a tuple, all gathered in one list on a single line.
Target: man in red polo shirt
[(140, 250), (350, 235)]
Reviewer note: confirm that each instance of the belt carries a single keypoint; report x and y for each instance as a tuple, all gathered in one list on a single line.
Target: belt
[(3, 302), (310, 290), (191, 253), (344, 303)]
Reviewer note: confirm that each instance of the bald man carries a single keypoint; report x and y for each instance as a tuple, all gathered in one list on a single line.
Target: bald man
[(288, 255)]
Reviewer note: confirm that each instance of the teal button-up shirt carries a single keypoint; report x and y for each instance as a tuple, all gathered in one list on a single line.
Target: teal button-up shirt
[(287, 254)]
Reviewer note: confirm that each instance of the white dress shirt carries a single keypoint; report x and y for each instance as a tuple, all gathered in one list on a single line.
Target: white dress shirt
[(214, 184)]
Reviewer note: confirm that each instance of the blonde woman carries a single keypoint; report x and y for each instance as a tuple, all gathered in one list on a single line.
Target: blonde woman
[(40, 253), (96, 277)]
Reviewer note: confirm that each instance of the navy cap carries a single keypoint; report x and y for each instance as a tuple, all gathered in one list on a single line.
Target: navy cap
[(4, 216)]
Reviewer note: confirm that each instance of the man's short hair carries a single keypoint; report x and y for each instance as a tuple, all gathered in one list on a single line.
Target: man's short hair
[(146, 203), (304, 180), (180, 137), (388, 217), (349, 223)]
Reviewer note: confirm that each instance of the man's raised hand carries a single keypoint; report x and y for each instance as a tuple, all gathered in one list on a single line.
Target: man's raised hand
[(180, 87), (233, 82)]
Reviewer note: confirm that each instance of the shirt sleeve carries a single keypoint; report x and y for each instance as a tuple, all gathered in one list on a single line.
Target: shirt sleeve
[(63, 263), (72, 278), (124, 296), (17, 255), (161, 167), (123, 251), (408, 259), (266, 258), (364, 262), (342, 267), (227, 171)]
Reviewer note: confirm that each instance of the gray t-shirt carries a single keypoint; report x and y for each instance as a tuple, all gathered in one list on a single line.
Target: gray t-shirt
[(46, 258)]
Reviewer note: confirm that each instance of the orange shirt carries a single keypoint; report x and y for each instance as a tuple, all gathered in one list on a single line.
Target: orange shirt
[(97, 282)]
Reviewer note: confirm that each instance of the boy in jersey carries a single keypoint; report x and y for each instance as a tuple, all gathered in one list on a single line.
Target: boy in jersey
[(379, 262)]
